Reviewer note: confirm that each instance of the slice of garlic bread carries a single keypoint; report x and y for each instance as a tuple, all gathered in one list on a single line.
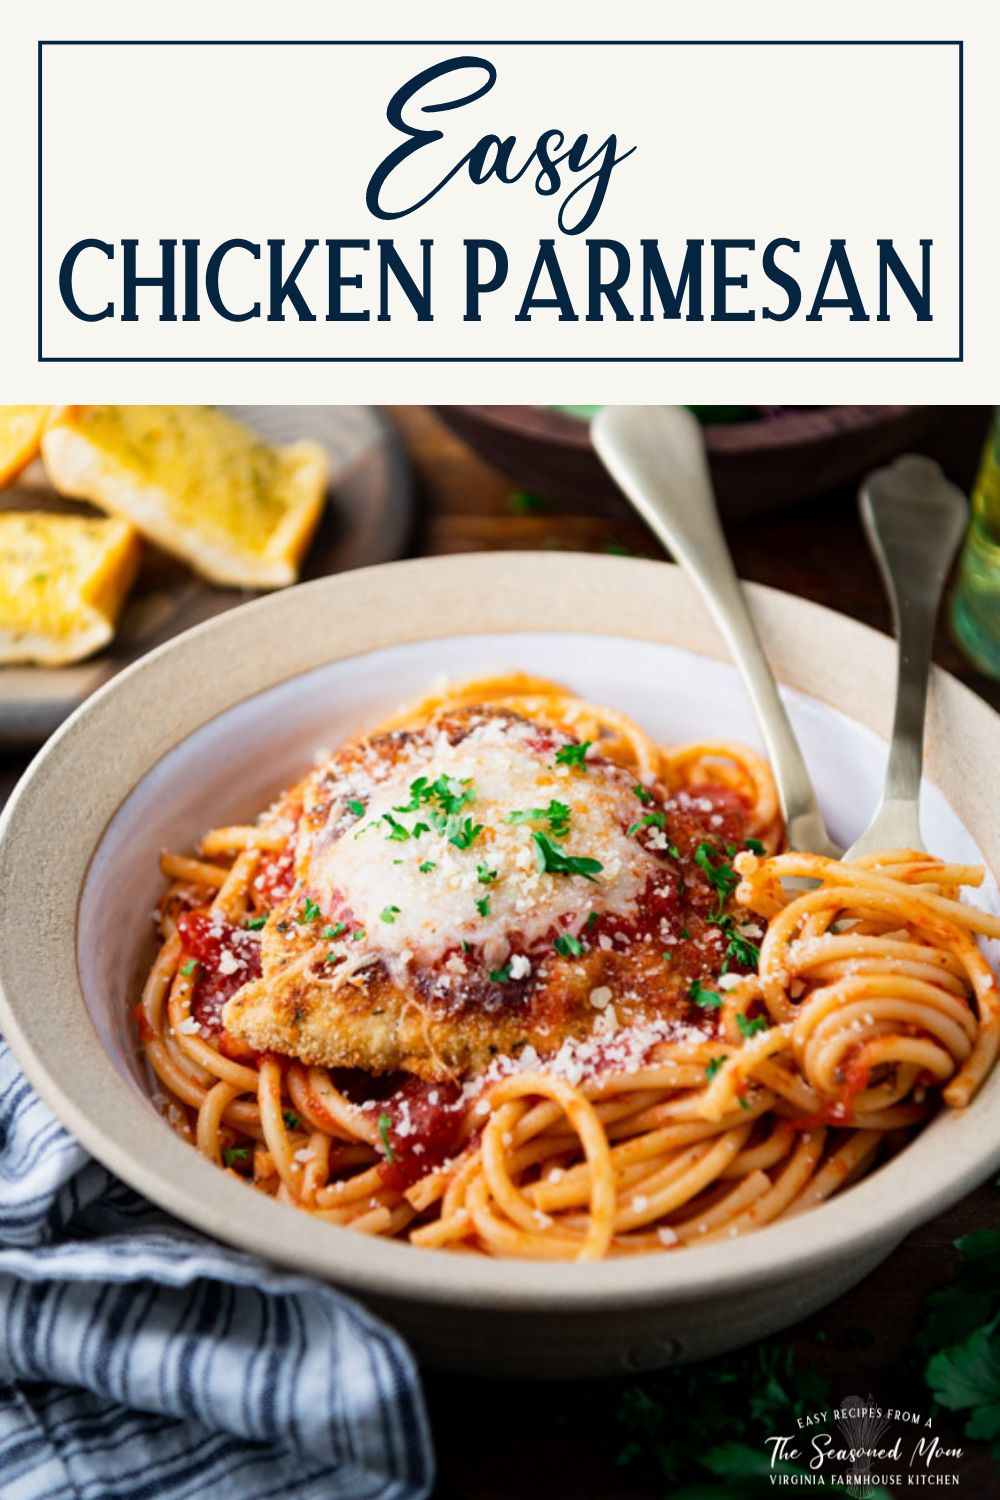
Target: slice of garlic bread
[(63, 580), (239, 510), (20, 434)]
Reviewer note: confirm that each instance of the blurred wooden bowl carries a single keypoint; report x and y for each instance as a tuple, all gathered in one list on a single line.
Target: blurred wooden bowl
[(757, 465)]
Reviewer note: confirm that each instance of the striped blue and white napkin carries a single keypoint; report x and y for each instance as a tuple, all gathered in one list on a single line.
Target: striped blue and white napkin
[(139, 1361)]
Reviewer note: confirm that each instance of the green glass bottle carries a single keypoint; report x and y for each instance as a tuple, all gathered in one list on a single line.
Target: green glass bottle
[(975, 605)]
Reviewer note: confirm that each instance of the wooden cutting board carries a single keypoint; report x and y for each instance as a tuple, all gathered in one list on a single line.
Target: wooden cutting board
[(368, 519)]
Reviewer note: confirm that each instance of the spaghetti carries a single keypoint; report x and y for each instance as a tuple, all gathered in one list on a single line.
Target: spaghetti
[(588, 1057)]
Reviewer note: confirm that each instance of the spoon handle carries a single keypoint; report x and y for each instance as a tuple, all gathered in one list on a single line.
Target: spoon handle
[(914, 519), (656, 455)]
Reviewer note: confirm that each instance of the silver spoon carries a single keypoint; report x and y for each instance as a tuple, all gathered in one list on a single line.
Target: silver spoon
[(914, 519), (656, 455)]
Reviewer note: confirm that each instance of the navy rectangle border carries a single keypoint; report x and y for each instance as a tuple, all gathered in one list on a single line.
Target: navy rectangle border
[(513, 359)]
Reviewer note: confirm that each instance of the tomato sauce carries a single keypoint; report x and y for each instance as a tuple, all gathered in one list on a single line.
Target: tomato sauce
[(425, 1120), (227, 958), (275, 878)]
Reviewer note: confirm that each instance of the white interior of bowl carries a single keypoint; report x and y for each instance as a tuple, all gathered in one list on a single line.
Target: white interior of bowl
[(233, 766), (210, 724)]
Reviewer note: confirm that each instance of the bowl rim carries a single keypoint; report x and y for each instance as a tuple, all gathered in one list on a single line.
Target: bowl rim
[(190, 680)]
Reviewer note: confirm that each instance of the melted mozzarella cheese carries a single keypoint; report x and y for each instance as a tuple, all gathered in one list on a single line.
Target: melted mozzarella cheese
[(417, 897)]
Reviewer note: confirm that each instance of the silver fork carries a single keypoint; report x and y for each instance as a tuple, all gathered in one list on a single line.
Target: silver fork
[(656, 455), (914, 519)]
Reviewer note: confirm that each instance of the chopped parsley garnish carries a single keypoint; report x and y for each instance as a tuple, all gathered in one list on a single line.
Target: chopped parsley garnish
[(358, 935), (500, 976), (574, 755), (448, 792), (291, 1119), (592, 920), (712, 1067), (396, 829), (721, 877), (334, 932), (643, 796), (485, 875), (739, 949), (311, 912), (755, 846), (483, 906), (701, 996), (419, 794), (568, 945), (750, 1028), (357, 808), (254, 924), (191, 969), (685, 933), (233, 1154), (426, 866), (384, 1126), (461, 833), (389, 913), (549, 856), (650, 820), (466, 947), (557, 815)]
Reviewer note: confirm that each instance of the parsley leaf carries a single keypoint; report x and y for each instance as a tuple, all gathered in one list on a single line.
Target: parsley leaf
[(384, 1126), (426, 866), (750, 1028), (396, 829), (500, 976), (334, 932), (643, 796), (557, 815), (966, 1377), (291, 1119), (701, 996), (739, 949), (233, 1154), (485, 875), (192, 969), (462, 834), (755, 846), (549, 856), (712, 1067), (722, 877), (310, 913), (574, 755), (972, 1297), (483, 906), (389, 914), (568, 945), (254, 924), (357, 808)]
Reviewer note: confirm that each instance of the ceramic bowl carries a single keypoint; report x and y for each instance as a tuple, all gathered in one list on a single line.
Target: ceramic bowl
[(208, 728), (756, 466)]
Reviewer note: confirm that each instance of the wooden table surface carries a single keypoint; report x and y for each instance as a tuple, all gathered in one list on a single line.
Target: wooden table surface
[(497, 1440), (500, 1439)]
